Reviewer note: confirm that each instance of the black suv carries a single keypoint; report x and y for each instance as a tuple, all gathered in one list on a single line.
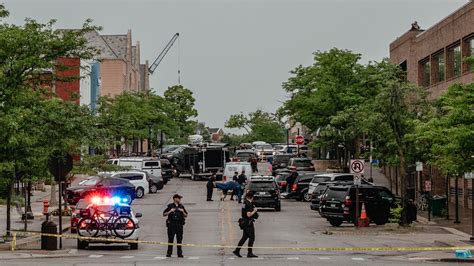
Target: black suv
[(299, 189), (265, 192), (337, 204), (321, 188), (280, 161), (166, 170)]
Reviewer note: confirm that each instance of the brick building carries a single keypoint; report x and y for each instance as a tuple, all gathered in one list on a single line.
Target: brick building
[(434, 59)]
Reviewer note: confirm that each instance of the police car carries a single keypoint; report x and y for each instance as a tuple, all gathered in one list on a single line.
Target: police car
[(106, 219), (266, 193)]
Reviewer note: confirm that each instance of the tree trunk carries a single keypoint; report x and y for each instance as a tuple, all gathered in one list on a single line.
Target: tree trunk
[(9, 202)]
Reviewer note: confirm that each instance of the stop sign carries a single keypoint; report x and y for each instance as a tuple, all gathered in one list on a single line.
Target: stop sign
[(299, 140)]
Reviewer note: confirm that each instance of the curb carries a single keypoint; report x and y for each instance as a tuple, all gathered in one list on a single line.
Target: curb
[(471, 261)]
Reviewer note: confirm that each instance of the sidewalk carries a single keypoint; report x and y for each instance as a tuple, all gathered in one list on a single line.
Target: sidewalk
[(32, 225), (464, 213)]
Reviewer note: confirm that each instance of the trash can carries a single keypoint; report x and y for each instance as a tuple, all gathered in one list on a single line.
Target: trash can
[(438, 205), (49, 242)]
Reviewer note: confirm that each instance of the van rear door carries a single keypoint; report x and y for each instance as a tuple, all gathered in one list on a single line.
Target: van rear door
[(152, 167)]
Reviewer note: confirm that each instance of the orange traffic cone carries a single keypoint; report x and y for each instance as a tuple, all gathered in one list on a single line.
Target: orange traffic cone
[(364, 220)]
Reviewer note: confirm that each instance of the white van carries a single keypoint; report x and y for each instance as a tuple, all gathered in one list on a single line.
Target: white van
[(147, 164), (232, 167)]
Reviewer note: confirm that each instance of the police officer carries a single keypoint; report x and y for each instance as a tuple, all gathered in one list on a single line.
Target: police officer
[(242, 179), (210, 186), (176, 219), (249, 214)]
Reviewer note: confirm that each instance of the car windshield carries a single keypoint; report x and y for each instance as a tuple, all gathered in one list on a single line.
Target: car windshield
[(320, 189), (320, 179), (262, 184), (336, 193), (245, 154), (90, 181), (302, 163), (264, 147)]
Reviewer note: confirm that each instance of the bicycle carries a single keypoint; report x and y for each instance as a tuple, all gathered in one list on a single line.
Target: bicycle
[(422, 203), (112, 221)]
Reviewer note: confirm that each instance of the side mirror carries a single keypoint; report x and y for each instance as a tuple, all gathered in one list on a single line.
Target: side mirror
[(138, 215)]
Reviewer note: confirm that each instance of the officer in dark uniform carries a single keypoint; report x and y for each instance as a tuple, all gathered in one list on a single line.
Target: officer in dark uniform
[(249, 214), (210, 186), (176, 218)]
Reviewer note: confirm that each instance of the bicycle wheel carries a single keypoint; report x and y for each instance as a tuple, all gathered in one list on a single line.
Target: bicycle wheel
[(87, 227), (124, 226)]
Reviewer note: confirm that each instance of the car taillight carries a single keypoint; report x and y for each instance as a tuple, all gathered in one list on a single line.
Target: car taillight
[(130, 225), (294, 186), (347, 201), (225, 178), (283, 183)]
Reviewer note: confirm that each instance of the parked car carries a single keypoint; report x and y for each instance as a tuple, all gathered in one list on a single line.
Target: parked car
[(155, 183), (147, 164), (280, 178), (138, 178), (166, 170), (280, 161), (244, 155), (338, 203), (299, 189), (266, 192), (301, 164), (100, 185), (232, 167), (319, 190), (263, 150), (329, 177), (108, 219), (292, 149)]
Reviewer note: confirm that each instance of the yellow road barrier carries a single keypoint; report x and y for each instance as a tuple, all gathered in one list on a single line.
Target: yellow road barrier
[(103, 239)]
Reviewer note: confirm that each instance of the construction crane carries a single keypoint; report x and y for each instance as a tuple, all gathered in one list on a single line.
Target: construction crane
[(162, 55)]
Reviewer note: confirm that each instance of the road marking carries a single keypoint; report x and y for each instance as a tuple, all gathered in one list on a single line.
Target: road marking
[(359, 259), (160, 258), (95, 256), (193, 258), (259, 258), (324, 258), (293, 258), (127, 257)]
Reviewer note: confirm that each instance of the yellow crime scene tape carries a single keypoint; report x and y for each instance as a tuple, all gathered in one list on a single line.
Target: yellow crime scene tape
[(103, 239)]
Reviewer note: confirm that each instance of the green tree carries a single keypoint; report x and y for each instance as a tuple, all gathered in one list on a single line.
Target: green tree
[(26, 52), (259, 125), (182, 103)]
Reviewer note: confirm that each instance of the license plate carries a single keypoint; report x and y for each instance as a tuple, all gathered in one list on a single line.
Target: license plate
[(333, 205)]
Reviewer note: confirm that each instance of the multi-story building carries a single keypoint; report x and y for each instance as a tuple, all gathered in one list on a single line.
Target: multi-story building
[(434, 58)]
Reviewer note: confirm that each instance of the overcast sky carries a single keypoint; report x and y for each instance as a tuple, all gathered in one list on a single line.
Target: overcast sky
[(234, 55)]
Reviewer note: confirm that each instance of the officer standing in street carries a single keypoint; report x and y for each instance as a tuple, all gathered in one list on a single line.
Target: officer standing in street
[(249, 214), (242, 180), (211, 184), (176, 219)]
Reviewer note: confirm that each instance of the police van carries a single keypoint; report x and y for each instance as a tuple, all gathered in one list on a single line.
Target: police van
[(148, 164)]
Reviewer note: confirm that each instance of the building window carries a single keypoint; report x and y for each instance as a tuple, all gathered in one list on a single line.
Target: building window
[(403, 67), (438, 68), (424, 73), (453, 61), (468, 50)]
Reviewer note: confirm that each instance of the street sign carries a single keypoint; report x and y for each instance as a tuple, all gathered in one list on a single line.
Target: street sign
[(357, 179), (299, 140), (60, 164), (419, 166), (357, 166), (427, 185)]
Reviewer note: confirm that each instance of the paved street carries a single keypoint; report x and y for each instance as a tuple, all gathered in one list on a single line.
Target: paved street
[(216, 223)]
